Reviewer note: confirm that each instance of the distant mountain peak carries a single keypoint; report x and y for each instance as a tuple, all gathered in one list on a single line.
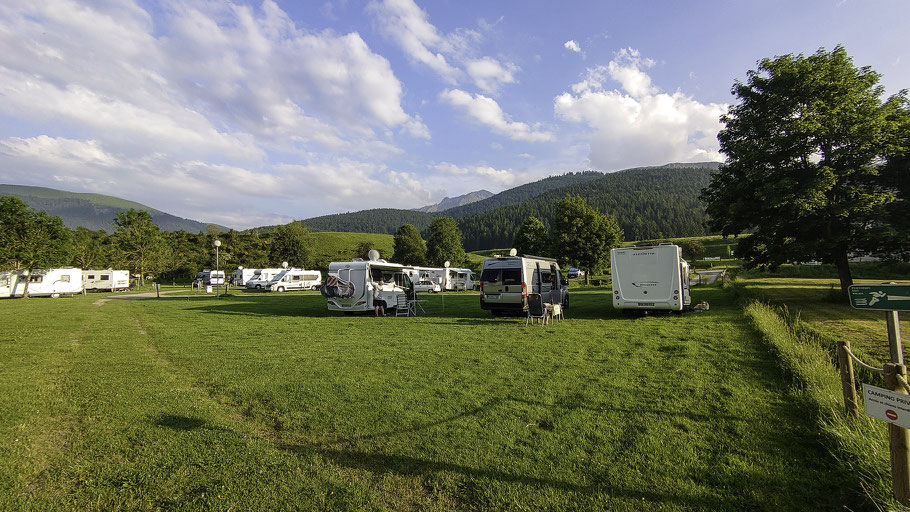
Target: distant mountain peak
[(452, 202)]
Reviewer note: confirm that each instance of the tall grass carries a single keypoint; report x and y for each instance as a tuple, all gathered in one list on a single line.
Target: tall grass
[(859, 444)]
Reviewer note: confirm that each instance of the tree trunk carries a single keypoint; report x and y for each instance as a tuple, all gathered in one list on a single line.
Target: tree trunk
[(587, 277), (28, 277), (843, 271)]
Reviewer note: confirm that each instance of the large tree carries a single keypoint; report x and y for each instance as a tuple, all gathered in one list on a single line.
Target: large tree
[(89, 248), (583, 236), (31, 239), (445, 243), (802, 176), (291, 243), (533, 237), (408, 246), (139, 242)]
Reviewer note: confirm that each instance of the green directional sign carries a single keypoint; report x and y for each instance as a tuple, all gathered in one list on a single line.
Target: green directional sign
[(885, 297)]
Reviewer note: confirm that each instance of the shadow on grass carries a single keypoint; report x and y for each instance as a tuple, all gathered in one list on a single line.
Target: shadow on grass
[(183, 423)]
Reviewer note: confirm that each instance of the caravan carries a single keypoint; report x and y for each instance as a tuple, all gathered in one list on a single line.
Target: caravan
[(51, 282), (241, 276), (458, 279), (262, 277), (8, 281), (506, 281), (653, 277), (106, 280), (350, 284), (295, 279)]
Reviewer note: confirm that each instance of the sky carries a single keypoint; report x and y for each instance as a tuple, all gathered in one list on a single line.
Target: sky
[(255, 113)]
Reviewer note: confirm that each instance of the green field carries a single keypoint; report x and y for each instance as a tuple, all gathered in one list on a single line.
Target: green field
[(335, 246), (260, 401)]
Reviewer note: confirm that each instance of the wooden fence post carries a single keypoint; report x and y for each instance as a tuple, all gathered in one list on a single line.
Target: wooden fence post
[(900, 440), (847, 378)]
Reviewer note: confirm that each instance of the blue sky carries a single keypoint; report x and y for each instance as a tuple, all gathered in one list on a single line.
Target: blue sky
[(254, 113)]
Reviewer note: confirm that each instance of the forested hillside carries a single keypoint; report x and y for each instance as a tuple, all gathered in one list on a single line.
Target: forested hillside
[(522, 193), (95, 211), (379, 220), (650, 202)]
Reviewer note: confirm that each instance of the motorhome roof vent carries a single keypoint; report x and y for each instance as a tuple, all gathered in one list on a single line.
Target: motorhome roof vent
[(667, 243), (357, 259)]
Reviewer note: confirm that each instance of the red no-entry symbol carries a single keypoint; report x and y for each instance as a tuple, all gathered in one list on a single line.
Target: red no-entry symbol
[(891, 414)]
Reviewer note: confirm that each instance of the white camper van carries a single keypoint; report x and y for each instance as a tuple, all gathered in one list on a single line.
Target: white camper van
[(106, 280), (295, 279), (262, 277), (51, 282), (350, 284), (8, 281), (506, 281), (653, 277), (241, 276)]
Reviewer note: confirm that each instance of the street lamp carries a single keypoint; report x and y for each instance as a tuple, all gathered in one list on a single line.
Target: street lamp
[(217, 244)]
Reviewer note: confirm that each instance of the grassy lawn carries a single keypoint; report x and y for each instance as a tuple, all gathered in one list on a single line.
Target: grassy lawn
[(259, 401)]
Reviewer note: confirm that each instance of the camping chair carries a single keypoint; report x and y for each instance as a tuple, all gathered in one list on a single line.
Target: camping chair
[(536, 309), (555, 305), (402, 308)]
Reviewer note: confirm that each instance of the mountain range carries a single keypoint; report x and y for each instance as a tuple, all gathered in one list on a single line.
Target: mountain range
[(648, 203)]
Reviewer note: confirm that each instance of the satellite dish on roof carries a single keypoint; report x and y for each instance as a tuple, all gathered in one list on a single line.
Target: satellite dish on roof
[(240, 267), (373, 255), (284, 264), (513, 252), (446, 264)]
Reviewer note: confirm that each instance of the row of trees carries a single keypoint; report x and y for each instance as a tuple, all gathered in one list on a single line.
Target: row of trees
[(444, 244), (818, 164), (581, 236), (32, 239)]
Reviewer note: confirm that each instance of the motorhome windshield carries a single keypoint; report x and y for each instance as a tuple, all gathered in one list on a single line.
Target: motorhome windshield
[(280, 276)]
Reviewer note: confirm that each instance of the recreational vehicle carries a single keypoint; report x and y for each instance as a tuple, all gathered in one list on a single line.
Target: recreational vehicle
[(262, 277), (106, 280), (295, 279), (51, 282), (506, 281), (209, 277), (350, 284), (241, 276), (653, 277), (458, 279), (8, 281)]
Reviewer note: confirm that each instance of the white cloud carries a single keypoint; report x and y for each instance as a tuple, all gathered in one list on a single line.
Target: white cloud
[(500, 178), (639, 124), (450, 56), (486, 111), (572, 45)]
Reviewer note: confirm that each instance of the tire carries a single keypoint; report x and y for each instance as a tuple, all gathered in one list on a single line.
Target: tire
[(258, 286), (496, 312), (565, 303), (280, 289)]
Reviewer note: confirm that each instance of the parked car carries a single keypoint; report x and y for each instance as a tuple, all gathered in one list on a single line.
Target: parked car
[(575, 273), (427, 287)]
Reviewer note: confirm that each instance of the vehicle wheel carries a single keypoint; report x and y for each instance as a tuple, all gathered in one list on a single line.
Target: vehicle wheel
[(258, 286), (565, 303), (496, 312), (279, 289)]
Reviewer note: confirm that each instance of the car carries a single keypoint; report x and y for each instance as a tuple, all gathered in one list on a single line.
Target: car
[(427, 286), (575, 273)]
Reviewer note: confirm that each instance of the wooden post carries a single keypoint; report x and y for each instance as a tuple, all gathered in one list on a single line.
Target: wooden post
[(847, 378), (158, 290), (900, 440), (894, 337)]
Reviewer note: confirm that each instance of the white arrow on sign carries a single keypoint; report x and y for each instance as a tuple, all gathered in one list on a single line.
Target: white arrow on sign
[(877, 296)]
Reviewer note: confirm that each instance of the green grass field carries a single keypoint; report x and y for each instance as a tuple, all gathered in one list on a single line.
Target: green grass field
[(260, 401)]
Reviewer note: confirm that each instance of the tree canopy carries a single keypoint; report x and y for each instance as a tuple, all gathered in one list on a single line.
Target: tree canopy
[(291, 244), (803, 149), (408, 246), (583, 236), (444, 243), (139, 242), (533, 237), (31, 239)]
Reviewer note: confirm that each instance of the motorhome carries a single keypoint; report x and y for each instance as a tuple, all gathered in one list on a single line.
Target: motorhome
[(262, 277), (241, 276), (295, 279), (506, 281), (50, 282), (209, 277), (350, 284), (8, 281), (458, 279), (653, 277), (106, 280)]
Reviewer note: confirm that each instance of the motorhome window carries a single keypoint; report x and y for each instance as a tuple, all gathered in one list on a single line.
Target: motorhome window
[(35, 279), (545, 276), (90, 276), (105, 277), (65, 278), (511, 276), (491, 275)]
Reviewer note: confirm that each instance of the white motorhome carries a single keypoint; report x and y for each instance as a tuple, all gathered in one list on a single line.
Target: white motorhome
[(295, 279), (458, 279), (209, 277), (8, 281), (50, 282), (262, 277), (506, 281), (653, 277), (350, 284), (241, 276), (106, 280)]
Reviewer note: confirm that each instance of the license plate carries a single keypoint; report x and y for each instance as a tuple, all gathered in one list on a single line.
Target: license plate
[(493, 296)]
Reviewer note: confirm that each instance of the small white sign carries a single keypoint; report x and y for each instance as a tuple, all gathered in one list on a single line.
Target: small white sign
[(887, 405)]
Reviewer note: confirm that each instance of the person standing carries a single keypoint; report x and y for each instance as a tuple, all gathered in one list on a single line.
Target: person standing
[(378, 303)]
